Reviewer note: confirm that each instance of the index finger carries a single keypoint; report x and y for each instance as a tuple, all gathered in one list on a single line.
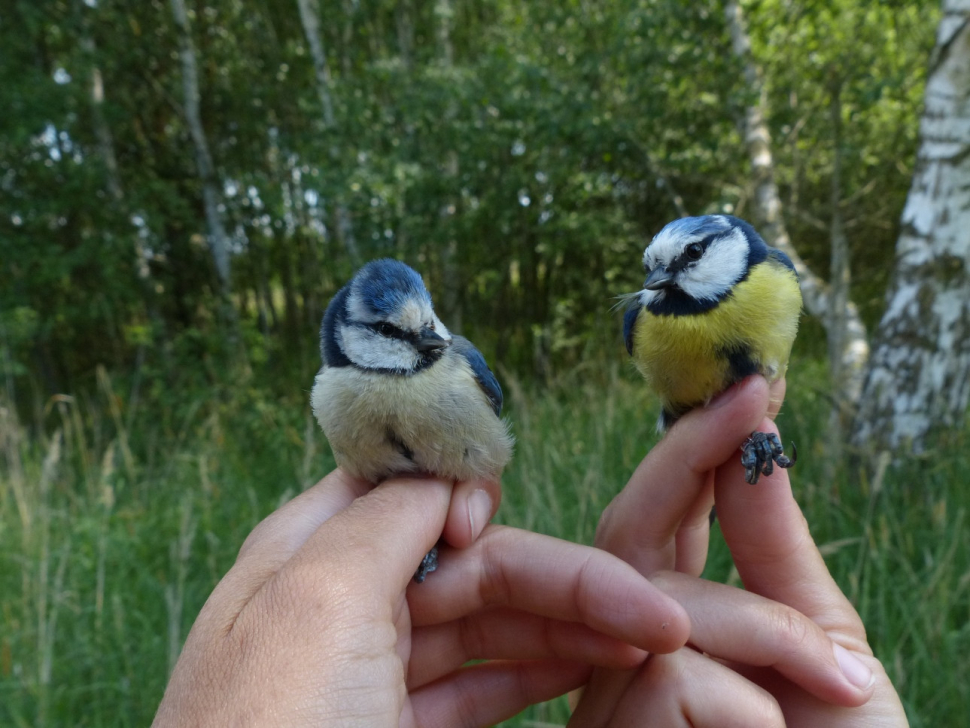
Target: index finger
[(773, 549), (541, 575), (641, 523)]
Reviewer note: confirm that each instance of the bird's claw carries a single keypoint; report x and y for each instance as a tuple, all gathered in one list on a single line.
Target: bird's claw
[(760, 454), (428, 564)]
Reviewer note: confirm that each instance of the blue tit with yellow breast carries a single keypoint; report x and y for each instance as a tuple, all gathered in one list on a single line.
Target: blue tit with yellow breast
[(717, 305), (398, 393)]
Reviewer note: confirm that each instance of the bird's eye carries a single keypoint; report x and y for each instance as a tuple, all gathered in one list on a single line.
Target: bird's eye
[(385, 329), (694, 251)]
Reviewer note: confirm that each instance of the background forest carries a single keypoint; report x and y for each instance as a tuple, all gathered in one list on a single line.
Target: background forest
[(185, 183)]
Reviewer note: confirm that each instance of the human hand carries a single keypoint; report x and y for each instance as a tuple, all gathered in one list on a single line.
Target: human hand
[(319, 623), (791, 650)]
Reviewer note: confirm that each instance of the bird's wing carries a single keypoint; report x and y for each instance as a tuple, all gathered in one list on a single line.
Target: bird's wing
[(629, 323), (483, 375), (336, 312), (777, 255)]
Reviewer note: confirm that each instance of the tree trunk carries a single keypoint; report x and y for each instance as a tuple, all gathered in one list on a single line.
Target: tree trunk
[(405, 32), (919, 376), (841, 411), (101, 130), (849, 359), (106, 148), (450, 268), (310, 18), (211, 194)]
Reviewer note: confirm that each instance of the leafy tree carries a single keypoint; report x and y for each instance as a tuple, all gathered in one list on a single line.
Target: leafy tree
[(519, 154)]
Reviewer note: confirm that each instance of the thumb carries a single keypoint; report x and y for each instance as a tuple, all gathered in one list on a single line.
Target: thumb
[(382, 536)]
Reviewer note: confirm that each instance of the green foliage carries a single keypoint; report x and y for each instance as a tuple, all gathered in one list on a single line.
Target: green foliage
[(873, 57), (518, 154), (114, 530)]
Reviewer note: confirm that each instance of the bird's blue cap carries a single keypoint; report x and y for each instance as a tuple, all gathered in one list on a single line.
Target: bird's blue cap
[(702, 227), (711, 226), (384, 285)]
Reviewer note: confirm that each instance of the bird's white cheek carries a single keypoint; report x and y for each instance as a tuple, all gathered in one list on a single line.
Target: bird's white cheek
[(369, 350), (715, 274), (703, 287), (440, 328)]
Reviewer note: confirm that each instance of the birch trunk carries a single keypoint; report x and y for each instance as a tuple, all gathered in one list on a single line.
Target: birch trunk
[(405, 32), (310, 18), (919, 377), (102, 132), (106, 148), (211, 194), (451, 289), (847, 327)]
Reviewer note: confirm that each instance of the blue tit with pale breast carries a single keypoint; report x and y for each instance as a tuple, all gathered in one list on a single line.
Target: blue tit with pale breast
[(717, 305), (398, 393)]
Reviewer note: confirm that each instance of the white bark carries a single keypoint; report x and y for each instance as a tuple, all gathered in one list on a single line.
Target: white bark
[(451, 288), (919, 377), (405, 31), (846, 328), (310, 18), (311, 28), (842, 410), (211, 194), (106, 148), (101, 129)]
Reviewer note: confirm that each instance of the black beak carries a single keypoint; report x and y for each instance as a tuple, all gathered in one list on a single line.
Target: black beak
[(428, 340), (659, 278)]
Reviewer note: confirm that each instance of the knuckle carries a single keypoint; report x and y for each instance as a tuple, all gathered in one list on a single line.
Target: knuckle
[(766, 712), (311, 594), (604, 527), (494, 586), (472, 637), (619, 534), (665, 581), (664, 673), (466, 701), (265, 530), (789, 630)]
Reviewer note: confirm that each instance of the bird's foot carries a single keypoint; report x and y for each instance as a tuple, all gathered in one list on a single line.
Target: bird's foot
[(760, 454), (428, 564)]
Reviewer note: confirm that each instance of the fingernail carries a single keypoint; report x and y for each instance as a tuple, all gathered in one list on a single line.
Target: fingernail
[(479, 511), (853, 668)]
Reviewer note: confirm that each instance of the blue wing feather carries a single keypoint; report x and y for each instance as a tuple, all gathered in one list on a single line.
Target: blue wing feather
[(629, 323), (483, 375), (336, 312)]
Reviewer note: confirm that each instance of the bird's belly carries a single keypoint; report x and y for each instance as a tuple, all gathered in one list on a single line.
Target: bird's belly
[(683, 363), (690, 359), (437, 421)]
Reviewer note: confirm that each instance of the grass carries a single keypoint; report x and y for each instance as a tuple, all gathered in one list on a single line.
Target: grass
[(115, 525)]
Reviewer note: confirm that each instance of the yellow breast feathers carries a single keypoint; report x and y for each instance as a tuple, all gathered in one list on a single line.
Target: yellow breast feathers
[(689, 359)]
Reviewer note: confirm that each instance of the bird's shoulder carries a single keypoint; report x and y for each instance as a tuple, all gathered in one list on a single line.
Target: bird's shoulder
[(483, 375), (330, 351), (630, 324), (777, 256)]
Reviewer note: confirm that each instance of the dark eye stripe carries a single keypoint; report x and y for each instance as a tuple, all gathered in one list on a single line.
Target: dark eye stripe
[(391, 331), (685, 259)]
